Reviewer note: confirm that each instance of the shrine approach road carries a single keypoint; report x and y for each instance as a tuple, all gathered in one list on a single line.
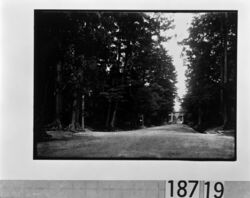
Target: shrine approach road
[(174, 141)]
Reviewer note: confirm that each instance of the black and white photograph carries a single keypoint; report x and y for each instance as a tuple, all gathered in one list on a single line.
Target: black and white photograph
[(144, 85), (115, 99)]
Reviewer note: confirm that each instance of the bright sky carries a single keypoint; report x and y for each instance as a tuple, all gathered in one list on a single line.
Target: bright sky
[(182, 22)]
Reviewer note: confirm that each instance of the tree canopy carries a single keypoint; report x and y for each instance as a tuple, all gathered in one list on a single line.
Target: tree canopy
[(211, 51), (108, 67)]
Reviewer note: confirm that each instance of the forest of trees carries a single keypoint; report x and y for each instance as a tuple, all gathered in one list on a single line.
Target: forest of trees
[(211, 51), (102, 70)]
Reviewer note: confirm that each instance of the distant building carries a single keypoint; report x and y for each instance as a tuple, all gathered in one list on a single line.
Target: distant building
[(176, 118)]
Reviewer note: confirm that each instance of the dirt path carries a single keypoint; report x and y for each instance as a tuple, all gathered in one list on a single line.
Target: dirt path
[(164, 142)]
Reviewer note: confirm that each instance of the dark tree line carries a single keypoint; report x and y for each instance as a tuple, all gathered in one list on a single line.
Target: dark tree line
[(102, 70), (211, 50)]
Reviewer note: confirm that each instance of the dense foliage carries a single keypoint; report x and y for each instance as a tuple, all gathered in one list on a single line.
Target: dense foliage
[(211, 70), (106, 69)]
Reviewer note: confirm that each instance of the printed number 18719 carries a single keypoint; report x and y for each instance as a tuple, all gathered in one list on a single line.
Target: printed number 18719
[(195, 189)]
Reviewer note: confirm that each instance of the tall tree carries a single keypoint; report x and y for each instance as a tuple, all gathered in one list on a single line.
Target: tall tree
[(110, 65), (211, 71)]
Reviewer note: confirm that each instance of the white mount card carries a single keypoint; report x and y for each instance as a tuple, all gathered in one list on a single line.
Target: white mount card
[(84, 92)]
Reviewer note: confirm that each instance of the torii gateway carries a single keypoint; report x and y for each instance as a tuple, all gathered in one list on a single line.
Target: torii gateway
[(176, 117)]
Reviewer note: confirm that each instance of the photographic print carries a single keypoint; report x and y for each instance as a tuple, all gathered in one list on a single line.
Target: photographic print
[(144, 85)]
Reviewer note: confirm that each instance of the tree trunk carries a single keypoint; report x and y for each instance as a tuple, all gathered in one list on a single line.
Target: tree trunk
[(142, 121), (78, 112), (199, 117), (141, 117), (112, 124), (108, 115), (83, 111), (224, 74), (225, 105), (58, 95), (74, 116)]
